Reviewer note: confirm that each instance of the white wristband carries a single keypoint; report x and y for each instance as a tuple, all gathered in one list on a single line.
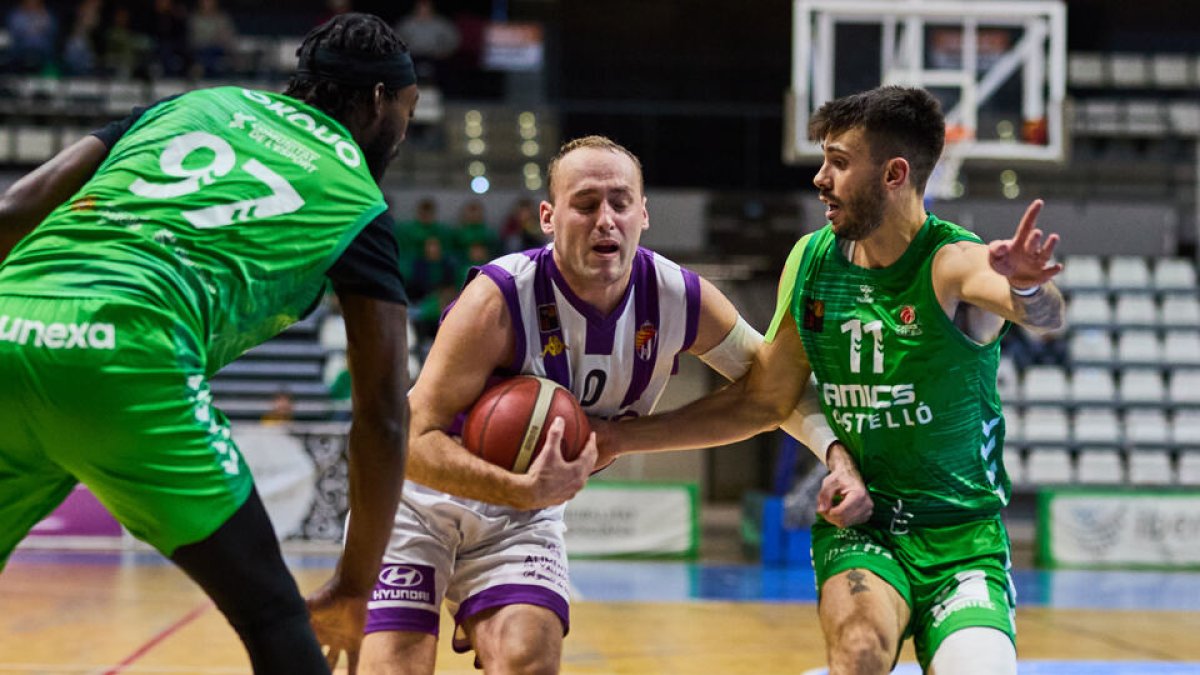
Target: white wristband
[(1025, 292)]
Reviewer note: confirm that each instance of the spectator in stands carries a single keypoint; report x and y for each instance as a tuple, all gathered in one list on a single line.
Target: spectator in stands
[(431, 285), (521, 229), (33, 35), (212, 37), (80, 53), (473, 229), (282, 410), (124, 46), (432, 38), (412, 234), (168, 30)]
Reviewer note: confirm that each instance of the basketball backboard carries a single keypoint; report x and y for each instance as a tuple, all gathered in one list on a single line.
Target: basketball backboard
[(997, 66)]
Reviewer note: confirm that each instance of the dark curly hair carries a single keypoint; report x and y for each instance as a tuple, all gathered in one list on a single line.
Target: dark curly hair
[(898, 121), (351, 34)]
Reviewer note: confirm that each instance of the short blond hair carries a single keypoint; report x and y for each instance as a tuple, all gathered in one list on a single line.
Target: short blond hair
[(599, 143)]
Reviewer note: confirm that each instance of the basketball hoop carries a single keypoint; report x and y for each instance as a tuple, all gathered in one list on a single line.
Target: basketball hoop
[(943, 182)]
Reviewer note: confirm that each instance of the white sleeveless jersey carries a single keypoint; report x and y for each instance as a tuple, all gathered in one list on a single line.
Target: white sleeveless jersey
[(616, 365)]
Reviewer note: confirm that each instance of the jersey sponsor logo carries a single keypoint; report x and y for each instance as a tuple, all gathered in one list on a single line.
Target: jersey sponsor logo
[(814, 315), (971, 592), (909, 326), (554, 347), (896, 404), (643, 341), (57, 335), (548, 318), (345, 150), (412, 583)]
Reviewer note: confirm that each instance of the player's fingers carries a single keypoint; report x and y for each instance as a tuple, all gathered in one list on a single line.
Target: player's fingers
[(554, 434), (1034, 243), (1028, 220), (1048, 249), (590, 452)]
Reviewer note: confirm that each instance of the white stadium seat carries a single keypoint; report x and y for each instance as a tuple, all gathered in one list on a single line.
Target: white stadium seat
[(1142, 385), (1044, 384), (1182, 347), (1184, 387), (1174, 274), (1150, 467), (1082, 272), (1093, 385), (1128, 273), (1100, 465), (1044, 425), (1147, 427), (1091, 346), (1180, 311), (1089, 309), (1136, 309), (1139, 347), (1096, 426), (1049, 466)]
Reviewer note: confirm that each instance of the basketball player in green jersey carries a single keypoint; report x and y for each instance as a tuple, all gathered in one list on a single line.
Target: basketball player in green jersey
[(156, 251), (899, 314)]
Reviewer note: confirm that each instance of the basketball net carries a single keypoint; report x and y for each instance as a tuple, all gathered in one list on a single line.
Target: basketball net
[(943, 183)]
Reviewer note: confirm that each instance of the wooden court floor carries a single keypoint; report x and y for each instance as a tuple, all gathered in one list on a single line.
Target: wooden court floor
[(104, 618)]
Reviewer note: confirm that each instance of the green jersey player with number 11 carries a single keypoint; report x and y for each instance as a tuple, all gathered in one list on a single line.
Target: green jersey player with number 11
[(162, 248), (899, 315)]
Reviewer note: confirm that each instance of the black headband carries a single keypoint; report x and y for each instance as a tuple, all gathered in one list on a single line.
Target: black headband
[(394, 70)]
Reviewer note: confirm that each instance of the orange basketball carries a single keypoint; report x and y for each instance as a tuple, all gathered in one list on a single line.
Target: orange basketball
[(507, 426)]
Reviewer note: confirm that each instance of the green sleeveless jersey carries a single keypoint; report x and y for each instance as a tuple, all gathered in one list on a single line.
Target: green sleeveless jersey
[(912, 397), (223, 206)]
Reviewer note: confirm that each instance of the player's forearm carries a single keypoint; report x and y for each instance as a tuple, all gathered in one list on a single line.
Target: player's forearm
[(725, 416), (442, 463), (29, 200), (1043, 310), (376, 458)]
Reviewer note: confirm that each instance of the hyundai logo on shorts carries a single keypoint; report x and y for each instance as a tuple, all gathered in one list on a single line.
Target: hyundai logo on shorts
[(401, 576)]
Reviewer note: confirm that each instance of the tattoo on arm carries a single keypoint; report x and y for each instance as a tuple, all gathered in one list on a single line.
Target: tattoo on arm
[(857, 582), (1043, 309)]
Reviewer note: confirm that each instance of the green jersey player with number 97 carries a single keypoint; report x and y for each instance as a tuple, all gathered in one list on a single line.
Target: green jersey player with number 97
[(154, 252)]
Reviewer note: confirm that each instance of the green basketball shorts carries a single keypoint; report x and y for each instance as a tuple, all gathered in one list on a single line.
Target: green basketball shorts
[(112, 395), (951, 576)]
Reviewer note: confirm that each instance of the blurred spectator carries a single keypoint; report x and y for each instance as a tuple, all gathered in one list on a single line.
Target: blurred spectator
[(1027, 348), (282, 410), (168, 30), (80, 54), (124, 47), (32, 34), (431, 286), (411, 234), (212, 37), (521, 229), (431, 38), (473, 229), (336, 7)]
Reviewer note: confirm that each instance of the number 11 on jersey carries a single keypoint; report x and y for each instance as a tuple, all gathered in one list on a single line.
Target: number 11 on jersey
[(856, 328)]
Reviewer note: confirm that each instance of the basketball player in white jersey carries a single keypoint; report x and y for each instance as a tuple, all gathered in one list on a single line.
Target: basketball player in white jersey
[(602, 317)]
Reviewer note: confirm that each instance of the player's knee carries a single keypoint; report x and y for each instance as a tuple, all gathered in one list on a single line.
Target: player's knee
[(522, 656), (513, 650), (858, 647)]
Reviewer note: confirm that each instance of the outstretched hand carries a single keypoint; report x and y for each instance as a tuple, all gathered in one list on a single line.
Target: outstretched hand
[(338, 620), (552, 479), (1025, 259)]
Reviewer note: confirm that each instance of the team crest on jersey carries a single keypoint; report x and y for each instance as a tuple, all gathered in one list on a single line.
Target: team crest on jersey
[(814, 315), (908, 326), (548, 318), (554, 347), (867, 294), (643, 341)]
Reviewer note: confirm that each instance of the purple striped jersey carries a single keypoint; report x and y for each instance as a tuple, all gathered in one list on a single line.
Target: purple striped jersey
[(616, 365)]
